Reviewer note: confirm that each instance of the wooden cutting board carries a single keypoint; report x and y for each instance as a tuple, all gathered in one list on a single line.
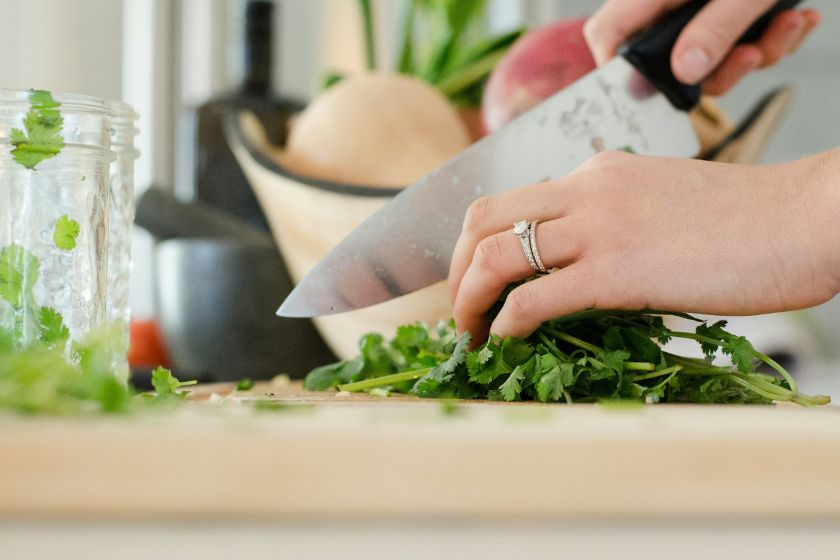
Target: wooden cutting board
[(356, 455)]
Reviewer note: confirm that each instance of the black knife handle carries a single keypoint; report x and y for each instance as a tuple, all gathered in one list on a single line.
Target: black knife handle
[(650, 51)]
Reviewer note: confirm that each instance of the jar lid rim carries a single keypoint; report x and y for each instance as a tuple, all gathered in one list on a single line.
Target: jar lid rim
[(70, 102)]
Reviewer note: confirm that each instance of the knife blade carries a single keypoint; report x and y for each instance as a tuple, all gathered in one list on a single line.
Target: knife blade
[(632, 103)]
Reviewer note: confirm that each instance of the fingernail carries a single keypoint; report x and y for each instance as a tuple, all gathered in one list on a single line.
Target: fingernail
[(694, 64)]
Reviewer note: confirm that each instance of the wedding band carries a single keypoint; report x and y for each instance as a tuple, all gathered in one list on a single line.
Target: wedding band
[(535, 254), (522, 230)]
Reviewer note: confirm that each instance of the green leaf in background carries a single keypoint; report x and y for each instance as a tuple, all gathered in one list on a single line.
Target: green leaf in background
[(369, 31), (66, 232), (445, 57), (52, 327), (19, 270), (41, 138)]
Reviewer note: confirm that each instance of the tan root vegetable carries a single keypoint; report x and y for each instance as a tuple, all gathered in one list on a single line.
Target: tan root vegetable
[(375, 129)]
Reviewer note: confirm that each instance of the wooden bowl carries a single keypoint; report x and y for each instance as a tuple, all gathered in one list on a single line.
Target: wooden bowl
[(308, 217)]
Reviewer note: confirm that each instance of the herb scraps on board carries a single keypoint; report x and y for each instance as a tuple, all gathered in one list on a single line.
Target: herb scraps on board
[(590, 356)]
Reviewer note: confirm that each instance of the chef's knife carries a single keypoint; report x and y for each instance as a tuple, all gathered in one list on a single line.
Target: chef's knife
[(633, 102)]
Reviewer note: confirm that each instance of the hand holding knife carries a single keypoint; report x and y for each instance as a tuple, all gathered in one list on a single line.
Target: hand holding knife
[(633, 103)]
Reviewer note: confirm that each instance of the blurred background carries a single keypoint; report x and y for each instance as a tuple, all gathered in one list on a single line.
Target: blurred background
[(171, 59)]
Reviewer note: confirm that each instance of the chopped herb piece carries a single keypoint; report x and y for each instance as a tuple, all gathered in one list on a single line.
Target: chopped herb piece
[(66, 232), (166, 386), (245, 385)]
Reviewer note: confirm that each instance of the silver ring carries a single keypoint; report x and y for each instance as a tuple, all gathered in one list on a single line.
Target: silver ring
[(522, 230), (532, 239)]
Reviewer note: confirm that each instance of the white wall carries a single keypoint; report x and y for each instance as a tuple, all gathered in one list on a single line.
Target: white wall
[(65, 45)]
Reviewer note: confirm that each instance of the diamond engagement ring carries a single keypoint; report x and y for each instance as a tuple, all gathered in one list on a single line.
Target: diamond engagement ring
[(523, 231)]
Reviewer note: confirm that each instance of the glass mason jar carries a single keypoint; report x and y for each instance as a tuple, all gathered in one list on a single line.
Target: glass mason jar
[(120, 221), (54, 163)]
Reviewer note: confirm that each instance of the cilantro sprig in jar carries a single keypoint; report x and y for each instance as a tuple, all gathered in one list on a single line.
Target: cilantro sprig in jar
[(55, 152)]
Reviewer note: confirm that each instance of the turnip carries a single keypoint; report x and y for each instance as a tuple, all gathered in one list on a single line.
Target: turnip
[(540, 64), (375, 129)]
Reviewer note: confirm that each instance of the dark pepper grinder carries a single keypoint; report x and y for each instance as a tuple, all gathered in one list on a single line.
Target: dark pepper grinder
[(218, 180)]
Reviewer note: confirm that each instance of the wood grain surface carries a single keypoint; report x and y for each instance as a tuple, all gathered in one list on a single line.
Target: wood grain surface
[(329, 455)]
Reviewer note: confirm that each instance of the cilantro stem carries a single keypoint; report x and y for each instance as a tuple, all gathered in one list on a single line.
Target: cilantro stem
[(574, 341), (776, 366), (384, 380), (369, 34), (551, 346), (639, 366), (654, 374), (764, 358), (688, 362), (749, 384)]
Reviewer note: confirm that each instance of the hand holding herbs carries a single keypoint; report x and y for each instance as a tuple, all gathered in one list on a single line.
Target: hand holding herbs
[(638, 232), (586, 357)]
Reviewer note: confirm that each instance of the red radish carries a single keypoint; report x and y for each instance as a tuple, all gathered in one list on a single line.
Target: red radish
[(538, 65)]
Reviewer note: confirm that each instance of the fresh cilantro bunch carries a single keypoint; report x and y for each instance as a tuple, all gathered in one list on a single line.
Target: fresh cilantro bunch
[(586, 357)]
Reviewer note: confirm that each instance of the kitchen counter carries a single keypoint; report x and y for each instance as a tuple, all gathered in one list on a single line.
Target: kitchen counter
[(337, 461)]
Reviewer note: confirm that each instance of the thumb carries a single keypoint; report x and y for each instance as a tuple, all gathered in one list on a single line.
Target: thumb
[(709, 37)]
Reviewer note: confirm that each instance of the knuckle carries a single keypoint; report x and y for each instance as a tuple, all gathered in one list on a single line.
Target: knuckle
[(604, 160), (591, 30), (488, 254), (521, 304), (477, 214), (459, 311), (609, 158)]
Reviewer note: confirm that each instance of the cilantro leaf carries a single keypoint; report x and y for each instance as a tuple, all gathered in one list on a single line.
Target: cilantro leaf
[(166, 385), (516, 351), (52, 327), (432, 383), (411, 338), (19, 270), (486, 352), (41, 138), (736, 347), (742, 353), (640, 345), (552, 384), (614, 360), (329, 376), (377, 360), (512, 387), (715, 332), (66, 232)]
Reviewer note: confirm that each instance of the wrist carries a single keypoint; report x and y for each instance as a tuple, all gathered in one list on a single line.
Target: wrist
[(817, 180)]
